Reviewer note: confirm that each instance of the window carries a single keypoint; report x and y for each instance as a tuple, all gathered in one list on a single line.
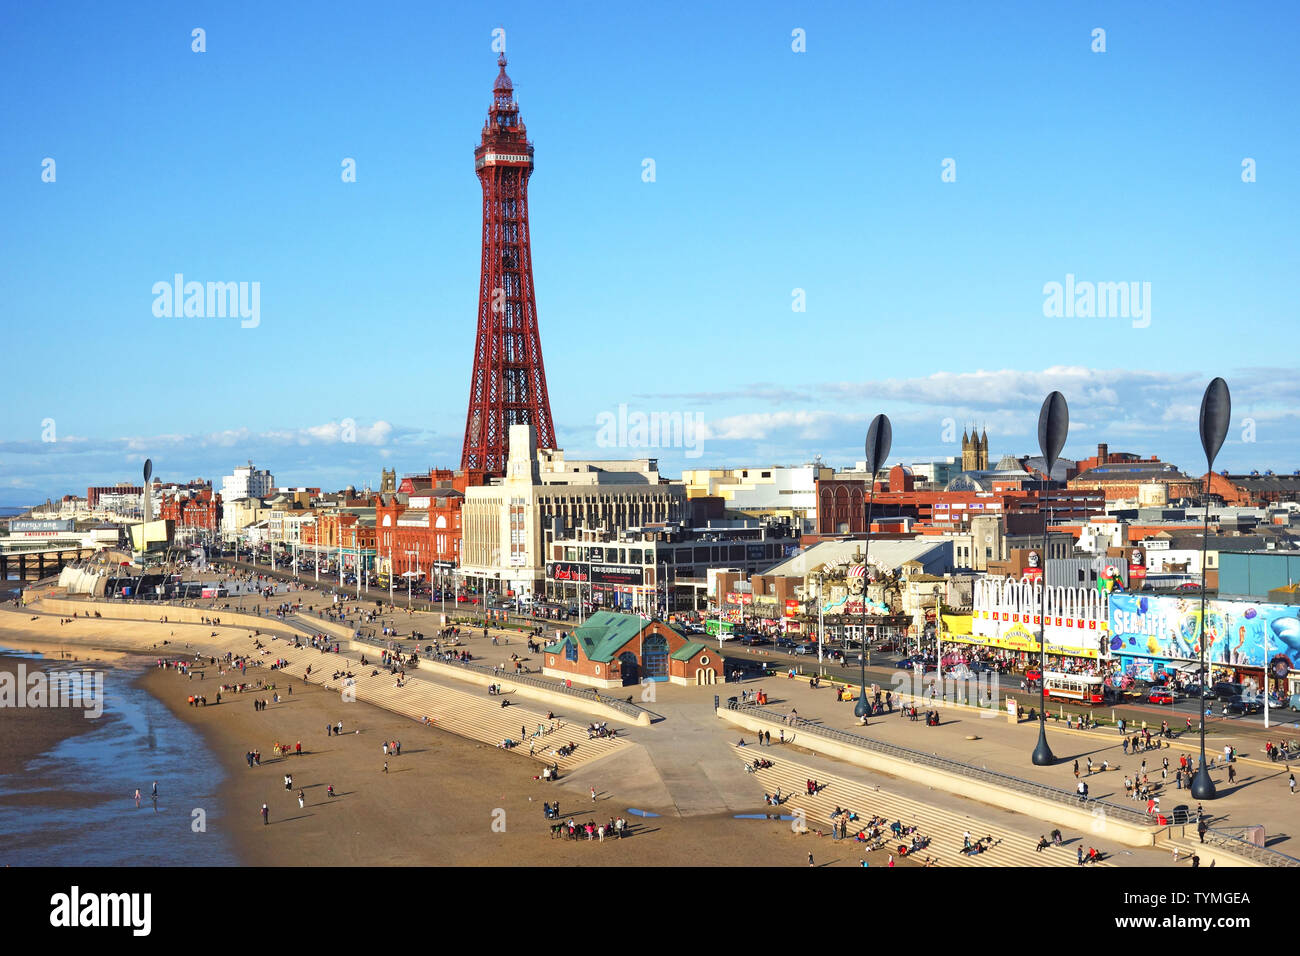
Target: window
[(571, 651)]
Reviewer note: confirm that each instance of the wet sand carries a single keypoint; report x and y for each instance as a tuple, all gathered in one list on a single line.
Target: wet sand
[(26, 733)]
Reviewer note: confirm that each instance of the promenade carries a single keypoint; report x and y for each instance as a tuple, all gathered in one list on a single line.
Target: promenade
[(686, 764)]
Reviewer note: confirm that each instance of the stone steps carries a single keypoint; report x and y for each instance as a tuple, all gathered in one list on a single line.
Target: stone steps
[(945, 830)]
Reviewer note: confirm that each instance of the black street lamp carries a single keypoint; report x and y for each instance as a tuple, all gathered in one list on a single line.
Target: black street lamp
[(1216, 412), (879, 437), (1053, 426)]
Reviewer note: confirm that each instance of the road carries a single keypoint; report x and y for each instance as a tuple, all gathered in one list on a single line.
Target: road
[(881, 670)]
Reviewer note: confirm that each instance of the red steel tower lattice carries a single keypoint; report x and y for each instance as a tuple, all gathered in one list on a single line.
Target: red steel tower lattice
[(508, 386)]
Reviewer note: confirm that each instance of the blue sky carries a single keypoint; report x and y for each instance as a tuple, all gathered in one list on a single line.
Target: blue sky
[(775, 170)]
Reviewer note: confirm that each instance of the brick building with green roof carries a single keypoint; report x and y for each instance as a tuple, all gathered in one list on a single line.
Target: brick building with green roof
[(618, 650)]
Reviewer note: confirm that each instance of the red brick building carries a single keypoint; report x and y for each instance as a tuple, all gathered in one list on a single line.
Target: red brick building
[(841, 504), (192, 508), (423, 516)]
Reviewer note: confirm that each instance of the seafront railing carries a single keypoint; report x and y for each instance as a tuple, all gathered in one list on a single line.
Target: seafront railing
[(1260, 854), (969, 771)]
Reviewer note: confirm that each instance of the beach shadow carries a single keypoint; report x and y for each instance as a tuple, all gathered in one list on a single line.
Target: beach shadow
[(301, 816)]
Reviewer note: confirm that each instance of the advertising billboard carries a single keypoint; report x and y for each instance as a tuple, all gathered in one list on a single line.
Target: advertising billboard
[(624, 574), (565, 571), (1237, 633), (41, 525)]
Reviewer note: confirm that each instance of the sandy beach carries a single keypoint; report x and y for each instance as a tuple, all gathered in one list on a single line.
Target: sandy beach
[(445, 801)]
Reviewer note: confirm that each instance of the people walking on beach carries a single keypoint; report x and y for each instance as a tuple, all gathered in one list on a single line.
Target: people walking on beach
[(265, 815), (593, 790), (385, 766), (302, 799), (329, 791)]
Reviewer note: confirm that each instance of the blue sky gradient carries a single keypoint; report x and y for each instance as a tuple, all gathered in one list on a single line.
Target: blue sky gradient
[(775, 171)]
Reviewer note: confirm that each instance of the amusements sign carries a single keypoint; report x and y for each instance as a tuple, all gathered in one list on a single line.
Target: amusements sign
[(1169, 627)]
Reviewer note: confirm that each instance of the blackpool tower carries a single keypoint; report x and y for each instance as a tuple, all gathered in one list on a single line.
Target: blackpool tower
[(508, 386)]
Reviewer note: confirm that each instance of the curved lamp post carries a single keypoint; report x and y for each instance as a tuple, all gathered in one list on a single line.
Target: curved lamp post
[(1216, 412), (879, 437), (1053, 426)]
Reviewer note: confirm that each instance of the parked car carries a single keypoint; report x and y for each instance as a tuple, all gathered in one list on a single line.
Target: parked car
[(1226, 690), (1162, 697), (1241, 705), (786, 643), (752, 640)]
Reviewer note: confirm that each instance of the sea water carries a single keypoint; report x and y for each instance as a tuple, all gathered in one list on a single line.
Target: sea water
[(137, 741)]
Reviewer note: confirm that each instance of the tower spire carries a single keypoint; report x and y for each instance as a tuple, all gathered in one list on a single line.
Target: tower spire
[(508, 384)]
